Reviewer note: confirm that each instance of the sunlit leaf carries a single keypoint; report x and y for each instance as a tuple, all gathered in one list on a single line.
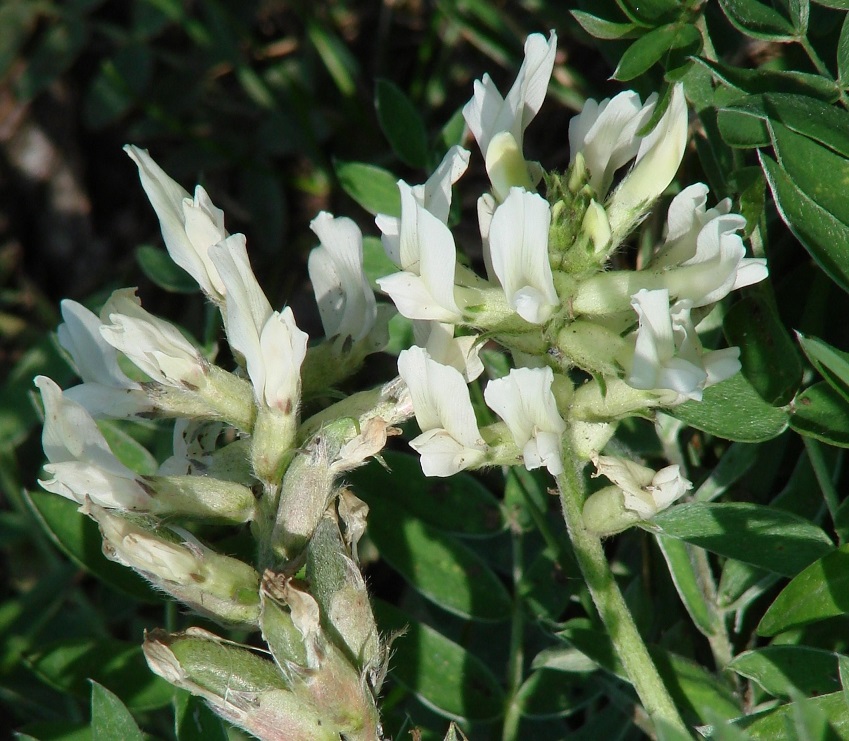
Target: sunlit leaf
[(822, 413), (775, 540), (819, 231), (821, 591)]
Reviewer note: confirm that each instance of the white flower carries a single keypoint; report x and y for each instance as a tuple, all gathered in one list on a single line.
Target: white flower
[(487, 114), (486, 210), (605, 134), (271, 343), (80, 462), (434, 196), (657, 161), (157, 347), (345, 299), (518, 242), (461, 353), (686, 216), (450, 439), (703, 256), (646, 492), (428, 259), (668, 353), (190, 226), (523, 399), (106, 391)]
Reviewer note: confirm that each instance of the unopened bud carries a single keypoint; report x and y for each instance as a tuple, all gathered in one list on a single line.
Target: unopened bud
[(605, 512), (341, 593), (239, 686), (272, 443), (220, 587), (199, 497), (591, 347), (307, 491)]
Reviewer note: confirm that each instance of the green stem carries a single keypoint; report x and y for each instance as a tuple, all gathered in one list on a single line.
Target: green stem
[(824, 478), (611, 605), (720, 643), (515, 668)]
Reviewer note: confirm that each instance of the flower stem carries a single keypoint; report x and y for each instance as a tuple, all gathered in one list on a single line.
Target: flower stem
[(515, 668), (611, 605)]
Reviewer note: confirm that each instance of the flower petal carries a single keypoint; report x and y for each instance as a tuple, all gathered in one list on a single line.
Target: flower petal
[(518, 243)]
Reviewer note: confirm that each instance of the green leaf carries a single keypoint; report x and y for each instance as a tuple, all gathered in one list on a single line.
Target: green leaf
[(374, 188), (69, 665), (821, 233), (733, 410), (459, 504), (195, 721), (127, 449), (749, 182), (438, 565), (743, 122), (18, 414), (821, 591), (402, 124), (56, 731), (650, 12), (768, 355), (771, 81), (832, 364), (774, 724), (743, 125), (604, 29), (770, 538), (697, 693), (110, 718), (822, 413), (545, 588), (157, 265), (654, 46), (687, 583), (736, 461), (741, 583), (843, 52), (79, 537), (758, 20), (442, 674), (548, 693), (339, 61), (785, 670), (375, 262), (804, 161)]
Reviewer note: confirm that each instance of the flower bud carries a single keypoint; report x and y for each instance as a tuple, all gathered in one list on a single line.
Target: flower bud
[(238, 685), (605, 512), (592, 347), (657, 162), (220, 587), (199, 497), (307, 490), (340, 591)]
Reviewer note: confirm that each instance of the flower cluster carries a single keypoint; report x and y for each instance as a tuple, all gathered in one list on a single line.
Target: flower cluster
[(549, 298), (242, 455), (587, 345)]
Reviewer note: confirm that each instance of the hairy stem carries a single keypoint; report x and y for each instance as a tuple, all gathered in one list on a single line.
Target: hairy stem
[(611, 605)]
